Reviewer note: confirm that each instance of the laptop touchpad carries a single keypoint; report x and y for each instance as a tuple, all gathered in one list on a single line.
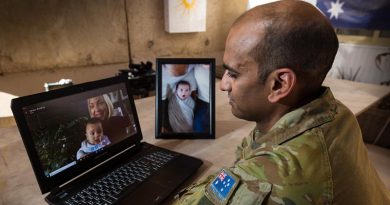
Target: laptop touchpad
[(155, 194)]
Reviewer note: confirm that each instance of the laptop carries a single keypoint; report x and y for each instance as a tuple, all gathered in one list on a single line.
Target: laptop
[(85, 146)]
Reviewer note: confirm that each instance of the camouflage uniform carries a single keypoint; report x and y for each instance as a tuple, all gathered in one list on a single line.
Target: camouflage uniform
[(312, 155)]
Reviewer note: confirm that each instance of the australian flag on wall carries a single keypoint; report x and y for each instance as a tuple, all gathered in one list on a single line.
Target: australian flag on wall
[(362, 14)]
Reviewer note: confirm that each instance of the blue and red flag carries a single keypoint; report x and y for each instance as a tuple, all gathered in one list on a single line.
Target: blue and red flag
[(222, 185)]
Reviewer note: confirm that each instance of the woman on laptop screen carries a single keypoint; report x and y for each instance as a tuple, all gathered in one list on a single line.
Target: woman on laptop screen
[(115, 124)]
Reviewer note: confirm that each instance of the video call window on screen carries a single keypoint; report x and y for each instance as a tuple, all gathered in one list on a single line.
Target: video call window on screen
[(69, 130), (185, 98)]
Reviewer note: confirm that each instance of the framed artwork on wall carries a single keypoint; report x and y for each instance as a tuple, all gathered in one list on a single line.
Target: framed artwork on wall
[(184, 16)]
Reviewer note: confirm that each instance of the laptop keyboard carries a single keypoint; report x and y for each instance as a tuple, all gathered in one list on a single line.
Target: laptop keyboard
[(109, 188)]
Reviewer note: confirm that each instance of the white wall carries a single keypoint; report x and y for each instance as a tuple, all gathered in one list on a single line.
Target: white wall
[(362, 63)]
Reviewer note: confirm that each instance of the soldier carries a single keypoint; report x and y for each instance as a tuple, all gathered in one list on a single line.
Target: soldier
[(306, 147)]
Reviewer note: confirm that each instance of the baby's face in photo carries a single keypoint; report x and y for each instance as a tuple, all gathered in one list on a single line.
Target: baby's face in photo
[(94, 133), (183, 91)]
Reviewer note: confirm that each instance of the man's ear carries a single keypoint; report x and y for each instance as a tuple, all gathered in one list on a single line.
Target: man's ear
[(281, 81)]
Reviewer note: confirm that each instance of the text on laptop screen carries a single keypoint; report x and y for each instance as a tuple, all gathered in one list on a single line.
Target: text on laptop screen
[(70, 130)]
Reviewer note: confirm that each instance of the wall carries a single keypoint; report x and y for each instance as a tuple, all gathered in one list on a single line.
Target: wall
[(148, 39), (38, 35), (44, 41)]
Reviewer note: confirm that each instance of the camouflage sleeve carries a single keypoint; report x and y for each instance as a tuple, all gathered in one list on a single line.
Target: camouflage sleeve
[(194, 194), (249, 191), (296, 172)]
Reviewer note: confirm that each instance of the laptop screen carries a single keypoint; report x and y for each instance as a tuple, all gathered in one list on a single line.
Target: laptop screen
[(71, 131)]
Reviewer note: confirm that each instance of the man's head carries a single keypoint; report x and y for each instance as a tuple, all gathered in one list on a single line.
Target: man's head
[(183, 89), (94, 131), (276, 54)]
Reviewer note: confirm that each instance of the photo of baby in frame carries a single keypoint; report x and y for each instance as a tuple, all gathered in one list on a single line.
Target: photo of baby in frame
[(185, 98)]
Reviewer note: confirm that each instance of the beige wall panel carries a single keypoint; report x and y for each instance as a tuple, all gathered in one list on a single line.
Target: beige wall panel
[(30, 82), (84, 40), (38, 34), (149, 40)]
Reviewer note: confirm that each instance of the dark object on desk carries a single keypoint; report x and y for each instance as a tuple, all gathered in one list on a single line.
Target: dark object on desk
[(375, 124), (142, 78), (60, 84)]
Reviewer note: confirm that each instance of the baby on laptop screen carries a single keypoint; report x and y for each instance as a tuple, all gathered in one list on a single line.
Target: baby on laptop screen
[(95, 138)]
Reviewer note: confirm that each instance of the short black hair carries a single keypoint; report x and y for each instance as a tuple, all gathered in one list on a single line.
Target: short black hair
[(300, 38), (182, 82)]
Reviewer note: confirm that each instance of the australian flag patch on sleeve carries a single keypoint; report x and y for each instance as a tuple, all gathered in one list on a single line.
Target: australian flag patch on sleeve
[(221, 188)]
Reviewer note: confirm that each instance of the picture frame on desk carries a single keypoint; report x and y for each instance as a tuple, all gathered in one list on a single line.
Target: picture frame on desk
[(185, 98)]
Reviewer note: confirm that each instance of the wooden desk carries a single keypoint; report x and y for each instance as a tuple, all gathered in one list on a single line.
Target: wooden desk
[(19, 186), (358, 97)]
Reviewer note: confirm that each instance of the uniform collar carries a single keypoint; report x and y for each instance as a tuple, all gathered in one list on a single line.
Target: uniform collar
[(313, 114)]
